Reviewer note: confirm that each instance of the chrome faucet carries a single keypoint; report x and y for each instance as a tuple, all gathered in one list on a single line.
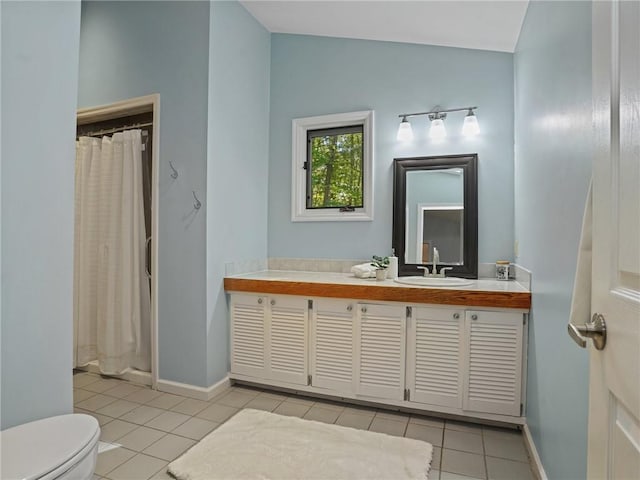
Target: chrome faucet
[(434, 268), (425, 271), (444, 270), (436, 261)]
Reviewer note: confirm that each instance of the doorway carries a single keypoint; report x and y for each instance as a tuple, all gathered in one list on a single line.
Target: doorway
[(136, 119)]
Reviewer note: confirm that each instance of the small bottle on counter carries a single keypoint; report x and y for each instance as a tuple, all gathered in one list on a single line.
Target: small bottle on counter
[(392, 270), (502, 270)]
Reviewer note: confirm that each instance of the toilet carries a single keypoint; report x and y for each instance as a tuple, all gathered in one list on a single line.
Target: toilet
[(63, 447)]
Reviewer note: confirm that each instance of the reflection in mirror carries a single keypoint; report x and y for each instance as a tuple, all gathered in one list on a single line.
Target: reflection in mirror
[(441, 229), (435, 213), (435, 207)]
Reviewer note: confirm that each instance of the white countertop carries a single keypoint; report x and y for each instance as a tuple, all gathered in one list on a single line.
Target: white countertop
[(485, 285)]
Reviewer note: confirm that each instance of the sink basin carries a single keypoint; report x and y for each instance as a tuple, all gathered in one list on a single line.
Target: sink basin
[(434, 281)]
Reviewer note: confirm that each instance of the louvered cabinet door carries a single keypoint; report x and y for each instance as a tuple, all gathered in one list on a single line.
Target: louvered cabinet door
[(380, 351), (332, 344), (435, 358), (248, 328), (494, 362), (287, 339)]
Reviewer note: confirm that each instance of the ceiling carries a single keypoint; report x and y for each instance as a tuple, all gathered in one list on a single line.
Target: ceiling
[(477, 24)]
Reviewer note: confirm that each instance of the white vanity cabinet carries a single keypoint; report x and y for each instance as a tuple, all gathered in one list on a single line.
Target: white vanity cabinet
[(358, 349), (269, 337), (332, 344), (248, 335), (494, 343), (445, 359), (380, 341), (436, 356)]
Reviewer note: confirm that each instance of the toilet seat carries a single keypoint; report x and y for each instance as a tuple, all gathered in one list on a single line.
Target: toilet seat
[(47, 448)]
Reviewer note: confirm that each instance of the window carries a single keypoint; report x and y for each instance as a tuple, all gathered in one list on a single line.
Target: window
[(332, 167)]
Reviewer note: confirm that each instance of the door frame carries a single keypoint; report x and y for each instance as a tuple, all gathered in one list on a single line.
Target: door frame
[(134, 106)]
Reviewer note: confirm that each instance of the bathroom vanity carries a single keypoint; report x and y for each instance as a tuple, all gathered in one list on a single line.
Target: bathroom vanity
[(457, 351)]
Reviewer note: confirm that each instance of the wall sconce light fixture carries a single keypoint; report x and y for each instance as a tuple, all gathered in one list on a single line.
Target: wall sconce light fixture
[(405, 133), (437, 131), (470, 126)]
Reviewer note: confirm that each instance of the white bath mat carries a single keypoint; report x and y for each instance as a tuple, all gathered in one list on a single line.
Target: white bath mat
[(261, 445)]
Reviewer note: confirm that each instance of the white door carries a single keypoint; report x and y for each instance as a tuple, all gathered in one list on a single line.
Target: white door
[(435, 360), (493, 382), (332, 344), (248, 329), (287, 339), (614, 382), (380, 351)]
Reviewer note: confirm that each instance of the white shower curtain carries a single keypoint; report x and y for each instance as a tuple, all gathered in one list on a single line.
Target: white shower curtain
[(111, 290)]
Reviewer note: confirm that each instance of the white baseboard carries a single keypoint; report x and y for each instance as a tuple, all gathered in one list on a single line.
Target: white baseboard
[(538, 469), (193, 391)]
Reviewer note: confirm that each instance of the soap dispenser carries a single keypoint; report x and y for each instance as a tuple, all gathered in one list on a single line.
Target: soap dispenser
[(392, 269)]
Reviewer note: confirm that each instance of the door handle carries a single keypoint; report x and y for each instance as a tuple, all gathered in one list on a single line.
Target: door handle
[(596, 330)]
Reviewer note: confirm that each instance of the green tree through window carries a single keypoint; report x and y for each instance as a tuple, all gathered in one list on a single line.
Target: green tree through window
[(334, 167)]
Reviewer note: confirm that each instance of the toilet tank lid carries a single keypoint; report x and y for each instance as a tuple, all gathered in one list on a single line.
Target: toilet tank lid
[(33, 449)]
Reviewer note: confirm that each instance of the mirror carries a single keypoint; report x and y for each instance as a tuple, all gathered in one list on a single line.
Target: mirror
[(435, 205)]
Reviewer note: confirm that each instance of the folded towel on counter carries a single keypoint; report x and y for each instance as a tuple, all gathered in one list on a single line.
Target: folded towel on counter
[(364, 270)]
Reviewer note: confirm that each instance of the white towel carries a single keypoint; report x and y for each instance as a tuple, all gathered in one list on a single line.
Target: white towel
[(581, 300), (364, 270)]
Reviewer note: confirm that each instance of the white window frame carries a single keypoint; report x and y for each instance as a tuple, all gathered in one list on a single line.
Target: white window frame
[(300, 126)]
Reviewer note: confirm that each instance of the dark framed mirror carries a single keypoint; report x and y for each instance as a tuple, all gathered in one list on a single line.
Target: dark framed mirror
[(435, 214)]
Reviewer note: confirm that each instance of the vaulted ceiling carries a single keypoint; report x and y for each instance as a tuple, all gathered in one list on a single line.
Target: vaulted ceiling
[(477, 24)]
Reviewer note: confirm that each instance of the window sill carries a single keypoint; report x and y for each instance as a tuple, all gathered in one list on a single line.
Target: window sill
[(332, 216)]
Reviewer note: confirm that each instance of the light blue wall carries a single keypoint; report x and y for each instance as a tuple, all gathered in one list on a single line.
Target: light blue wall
[(39, 90), (130, 49), (552, 171), (318, 75), (237, 170)]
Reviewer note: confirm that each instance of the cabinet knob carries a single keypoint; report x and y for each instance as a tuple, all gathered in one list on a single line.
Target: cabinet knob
[(474, 317), (349, 308), (456, 316), (364, 309), (273, 302), (260, 300)]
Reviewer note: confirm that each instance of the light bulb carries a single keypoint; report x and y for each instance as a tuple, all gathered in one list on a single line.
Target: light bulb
[(470, 126), (437, 130), (405, 133)]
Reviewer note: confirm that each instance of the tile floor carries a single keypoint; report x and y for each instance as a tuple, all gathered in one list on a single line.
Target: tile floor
[(143, 430)]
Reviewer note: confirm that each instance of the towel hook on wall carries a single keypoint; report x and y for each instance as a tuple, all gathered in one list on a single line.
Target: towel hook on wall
[(174, 173), (197, 203)]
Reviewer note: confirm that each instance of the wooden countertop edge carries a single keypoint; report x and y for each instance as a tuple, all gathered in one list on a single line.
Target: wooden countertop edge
[(391, 294)]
